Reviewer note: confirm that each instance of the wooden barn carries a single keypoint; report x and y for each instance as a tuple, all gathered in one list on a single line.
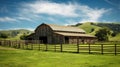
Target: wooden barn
[(54, 34)]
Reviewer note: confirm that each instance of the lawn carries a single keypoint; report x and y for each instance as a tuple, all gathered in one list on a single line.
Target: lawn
[(10, 57)]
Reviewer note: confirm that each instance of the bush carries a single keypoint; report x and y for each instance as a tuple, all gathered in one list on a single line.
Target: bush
[(114, 34), (102, 34), (3, 35), (23, 37)]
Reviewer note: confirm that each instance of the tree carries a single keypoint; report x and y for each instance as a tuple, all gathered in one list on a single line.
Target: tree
[(92, 30), (3, 35), (14, 33), (114, 34), (23, 37), (103, 34)]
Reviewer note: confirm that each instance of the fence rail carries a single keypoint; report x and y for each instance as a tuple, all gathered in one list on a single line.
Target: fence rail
[(76, 48)]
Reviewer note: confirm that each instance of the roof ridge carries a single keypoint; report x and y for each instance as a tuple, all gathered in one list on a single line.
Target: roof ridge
[(64, 28)]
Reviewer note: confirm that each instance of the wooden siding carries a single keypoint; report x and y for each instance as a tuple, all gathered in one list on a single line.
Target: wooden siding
[(44, 31)]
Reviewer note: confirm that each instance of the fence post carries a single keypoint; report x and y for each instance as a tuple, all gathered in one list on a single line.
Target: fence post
[(23, 43), (101, 48), (61, 47), (22, 46), (4, 43), (39, 46), (15, 44), (89, 49), (77, 45), (115, 50), (0, 42), (18, 45), (55, 47), (9, 43), (31, 46), (46, 47), (27, 46)]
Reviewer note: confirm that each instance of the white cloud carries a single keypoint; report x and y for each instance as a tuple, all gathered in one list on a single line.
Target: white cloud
[(7, 19), (95, 14), (84, 12), (51, 8), (24, 18), (91, 14), (31, 29)]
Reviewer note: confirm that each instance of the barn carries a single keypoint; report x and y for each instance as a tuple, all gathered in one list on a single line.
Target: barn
[(54, 34)]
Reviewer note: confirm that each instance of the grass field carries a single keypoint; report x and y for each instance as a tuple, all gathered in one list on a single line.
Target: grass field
[(10, 57)]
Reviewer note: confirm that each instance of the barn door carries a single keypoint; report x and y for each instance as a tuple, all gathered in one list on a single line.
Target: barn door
[(66, 40), (43, 39)]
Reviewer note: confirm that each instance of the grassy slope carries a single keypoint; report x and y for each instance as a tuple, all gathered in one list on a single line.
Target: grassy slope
[(15, 38), (21, 32), (10, 57), (87, 27), (116, 38)]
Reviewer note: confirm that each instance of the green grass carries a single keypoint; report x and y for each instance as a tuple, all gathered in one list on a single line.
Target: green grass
[(116, 38), (10, 57)]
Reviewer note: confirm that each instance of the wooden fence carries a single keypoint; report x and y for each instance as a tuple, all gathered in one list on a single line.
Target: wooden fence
[(75, 48)]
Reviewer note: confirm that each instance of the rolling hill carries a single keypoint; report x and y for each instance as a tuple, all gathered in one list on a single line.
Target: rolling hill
[(15, 34), (91, 28)]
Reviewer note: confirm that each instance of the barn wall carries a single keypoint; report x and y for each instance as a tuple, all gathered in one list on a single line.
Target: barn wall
[(57, 39), (82, 40), (73, 40), (44, 31)]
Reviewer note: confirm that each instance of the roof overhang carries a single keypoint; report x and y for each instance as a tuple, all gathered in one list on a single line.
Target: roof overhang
[(74, 34)]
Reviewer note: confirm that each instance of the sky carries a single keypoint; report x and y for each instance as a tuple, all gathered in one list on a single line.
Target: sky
[(28, 14)]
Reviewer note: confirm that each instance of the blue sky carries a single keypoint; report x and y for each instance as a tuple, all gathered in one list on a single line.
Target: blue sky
[(28, 14)]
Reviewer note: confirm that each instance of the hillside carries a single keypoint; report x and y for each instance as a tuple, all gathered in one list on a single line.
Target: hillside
[(15, 34), (113, 26), (91, 28)]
